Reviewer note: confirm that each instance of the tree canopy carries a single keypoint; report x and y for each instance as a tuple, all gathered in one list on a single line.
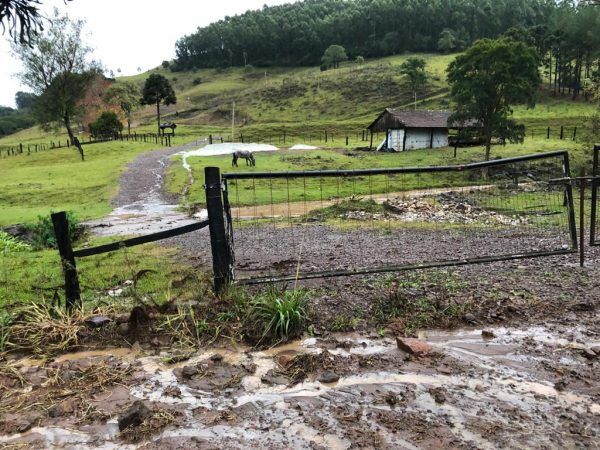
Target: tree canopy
[(157, 90), (126, 96), (299, 33), (487, 80), (56, 68), (333, 56), (106, 126), (21, 18), (414, 69)]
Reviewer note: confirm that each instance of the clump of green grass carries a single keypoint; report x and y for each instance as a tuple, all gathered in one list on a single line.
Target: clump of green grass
[(280, 314), (10, 244), (421, 300)]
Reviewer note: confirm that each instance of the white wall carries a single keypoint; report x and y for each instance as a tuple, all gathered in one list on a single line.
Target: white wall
[(417, 138), (396, 139)]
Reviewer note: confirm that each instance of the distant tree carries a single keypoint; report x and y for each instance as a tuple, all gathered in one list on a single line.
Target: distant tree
[(106, 126), (165, 64), (447, 41), (391, 43), (25, 100), (157, 90), (333, 56), (22, 18), (55, 67), (126, 96), (360, 60), (414, 69), (487, 79)]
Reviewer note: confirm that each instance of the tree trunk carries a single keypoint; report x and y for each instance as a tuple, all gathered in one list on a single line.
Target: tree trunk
[(72, 137), (158, 117)]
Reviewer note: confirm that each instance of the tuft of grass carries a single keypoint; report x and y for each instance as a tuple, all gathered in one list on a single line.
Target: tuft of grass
[(10, 244), (280, 314), (42, 230), (422, 300)]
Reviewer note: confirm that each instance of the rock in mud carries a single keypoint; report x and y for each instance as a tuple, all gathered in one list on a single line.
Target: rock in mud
[(18, 423), (134, 415), (560, 385), (286, 357), (413, 346), (487, 334), (470, 318), (328, 377), (438, 394), (172, 391), (217, 357), (188, 371), (97, 321), (589, 353)]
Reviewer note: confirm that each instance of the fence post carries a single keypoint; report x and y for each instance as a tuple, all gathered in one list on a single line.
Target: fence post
[(222, 262), (561, 131), (581, 218), (595, 182), (548, 134), (63, 242), (210, 139), (575, 133), (346, 140)]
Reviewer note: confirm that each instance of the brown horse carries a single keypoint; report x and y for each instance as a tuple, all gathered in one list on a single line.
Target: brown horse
[(248, 156)]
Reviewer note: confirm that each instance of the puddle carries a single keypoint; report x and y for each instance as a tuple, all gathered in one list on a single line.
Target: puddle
[(121, 352)]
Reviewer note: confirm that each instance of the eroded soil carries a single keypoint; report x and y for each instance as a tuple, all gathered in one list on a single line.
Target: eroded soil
[(534, 387)]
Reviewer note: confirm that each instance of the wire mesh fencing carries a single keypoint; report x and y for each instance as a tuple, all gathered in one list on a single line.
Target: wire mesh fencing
[(313, 224)]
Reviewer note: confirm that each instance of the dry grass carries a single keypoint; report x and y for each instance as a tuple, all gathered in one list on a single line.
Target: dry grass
[(67, 383), (159, 420)]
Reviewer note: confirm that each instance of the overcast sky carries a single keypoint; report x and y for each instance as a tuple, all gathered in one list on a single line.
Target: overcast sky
[(128, 34)]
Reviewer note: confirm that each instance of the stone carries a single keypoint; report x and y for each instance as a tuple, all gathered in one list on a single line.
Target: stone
[(188, 371), (560, 385), (487, 334), (589, 353), (18, 423), (596, 349), (217, 357), (286, 357), (134, 415), (438, 394), (328, 377), (172, 391), (470, 318), (123, 328), (413, 346), (97, 321)]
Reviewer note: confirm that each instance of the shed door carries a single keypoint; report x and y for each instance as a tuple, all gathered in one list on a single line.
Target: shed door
[(396, 140)]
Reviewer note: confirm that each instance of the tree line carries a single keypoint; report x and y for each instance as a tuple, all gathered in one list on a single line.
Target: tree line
[(299, 33)]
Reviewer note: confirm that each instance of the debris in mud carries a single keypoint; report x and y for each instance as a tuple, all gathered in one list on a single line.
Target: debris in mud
[(448, 207), (134, 415), (213, 375), (413, 346), (438, 394), (155, 419)]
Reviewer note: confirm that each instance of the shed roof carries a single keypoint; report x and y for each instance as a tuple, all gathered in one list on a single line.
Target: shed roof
[(391, 119)]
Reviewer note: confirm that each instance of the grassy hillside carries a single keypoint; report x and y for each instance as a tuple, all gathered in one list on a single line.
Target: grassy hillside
[(343, 100)]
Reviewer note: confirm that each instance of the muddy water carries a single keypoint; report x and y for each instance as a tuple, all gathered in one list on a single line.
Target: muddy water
[(494, 396)]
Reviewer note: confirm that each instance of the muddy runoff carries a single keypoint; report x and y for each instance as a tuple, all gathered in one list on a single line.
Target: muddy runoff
[(494, 388)]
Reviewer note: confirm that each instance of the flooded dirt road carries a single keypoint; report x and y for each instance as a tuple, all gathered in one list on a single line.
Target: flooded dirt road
[(142, 206), (535, 387)]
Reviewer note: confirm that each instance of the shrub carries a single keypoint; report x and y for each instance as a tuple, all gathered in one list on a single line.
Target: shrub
[(165, 64), (43, 231), (106, 126), (280, 314), (197, 81)]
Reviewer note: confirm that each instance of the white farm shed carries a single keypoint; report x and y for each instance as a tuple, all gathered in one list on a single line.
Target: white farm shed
[(412, 129)]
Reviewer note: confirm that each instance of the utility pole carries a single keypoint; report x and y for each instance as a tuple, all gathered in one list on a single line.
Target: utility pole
[(233, 122)]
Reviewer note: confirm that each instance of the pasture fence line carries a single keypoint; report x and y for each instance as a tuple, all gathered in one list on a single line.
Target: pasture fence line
[(595, 207), (29, 148)]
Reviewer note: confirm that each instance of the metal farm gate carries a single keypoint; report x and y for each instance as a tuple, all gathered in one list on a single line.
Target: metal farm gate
[(284, 226)]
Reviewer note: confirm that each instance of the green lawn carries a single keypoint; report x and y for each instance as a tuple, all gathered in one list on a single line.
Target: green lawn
[(249, 192), (36, 184)]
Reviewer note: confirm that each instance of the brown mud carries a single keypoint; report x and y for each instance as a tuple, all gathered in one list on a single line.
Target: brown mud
[(533, 387)]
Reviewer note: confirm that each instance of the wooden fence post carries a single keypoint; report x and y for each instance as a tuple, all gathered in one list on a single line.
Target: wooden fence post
[(219, 243), (63, 242), (561, 132)]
